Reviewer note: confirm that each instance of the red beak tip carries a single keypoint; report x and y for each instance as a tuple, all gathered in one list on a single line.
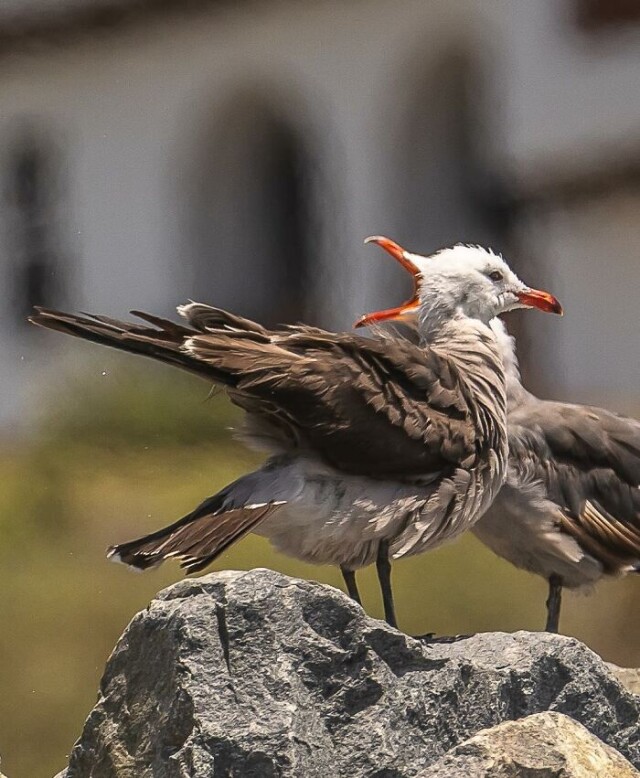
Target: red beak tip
[(543, 301), (555, 307)]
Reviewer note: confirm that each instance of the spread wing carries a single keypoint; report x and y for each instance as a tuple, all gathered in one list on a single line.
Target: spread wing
[(589, 461), (385, 409)]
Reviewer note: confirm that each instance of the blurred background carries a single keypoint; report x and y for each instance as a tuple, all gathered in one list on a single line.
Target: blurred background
[(238, 153)]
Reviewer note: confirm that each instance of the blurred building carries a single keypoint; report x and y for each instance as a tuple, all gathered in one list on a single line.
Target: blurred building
[(238, 153)]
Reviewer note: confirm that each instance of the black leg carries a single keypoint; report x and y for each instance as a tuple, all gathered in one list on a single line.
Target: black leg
[(352, 586), (383, 566), (553, 603)]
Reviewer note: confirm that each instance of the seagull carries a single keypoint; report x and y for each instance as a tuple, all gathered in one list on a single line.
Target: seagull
[(569, 509), (378, 449)]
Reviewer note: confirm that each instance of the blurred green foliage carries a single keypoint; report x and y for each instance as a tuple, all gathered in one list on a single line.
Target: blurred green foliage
[(123, 449), (122, 403)]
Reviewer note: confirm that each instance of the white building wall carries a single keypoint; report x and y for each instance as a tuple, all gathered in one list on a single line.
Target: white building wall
[(570, 99), (127, 107), (589, 254)]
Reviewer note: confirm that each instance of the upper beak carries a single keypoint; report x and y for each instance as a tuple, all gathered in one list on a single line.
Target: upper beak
[(410, 306), (534, 298)]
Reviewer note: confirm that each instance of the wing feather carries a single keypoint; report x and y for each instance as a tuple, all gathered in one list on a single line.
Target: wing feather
[(588, 460), (381, 408)]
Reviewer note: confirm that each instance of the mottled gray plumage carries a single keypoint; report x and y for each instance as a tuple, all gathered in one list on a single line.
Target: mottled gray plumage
[(570, 507), (370, 440)]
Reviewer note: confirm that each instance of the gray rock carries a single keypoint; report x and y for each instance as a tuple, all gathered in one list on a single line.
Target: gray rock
[(544, 745), (257, 675)]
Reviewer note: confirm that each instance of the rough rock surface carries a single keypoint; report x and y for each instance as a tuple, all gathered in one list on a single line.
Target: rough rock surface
[(258, 675), (544, 745)]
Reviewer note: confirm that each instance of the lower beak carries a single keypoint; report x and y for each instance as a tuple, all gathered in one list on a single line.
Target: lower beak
[(408, 308), (534, 298)]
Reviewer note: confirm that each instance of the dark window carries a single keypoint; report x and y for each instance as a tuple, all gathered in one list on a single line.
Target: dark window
[(599, 14), (252, 224), (32, 196), (287, 200), (449, 192)]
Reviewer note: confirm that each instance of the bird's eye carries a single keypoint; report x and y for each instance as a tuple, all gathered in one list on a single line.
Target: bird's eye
[(496, 275)]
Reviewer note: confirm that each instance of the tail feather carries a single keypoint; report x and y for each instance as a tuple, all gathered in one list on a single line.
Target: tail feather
[(206, 318), (162, 342), (196, 540)]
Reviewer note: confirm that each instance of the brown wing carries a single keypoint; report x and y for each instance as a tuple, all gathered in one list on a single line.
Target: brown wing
[(589, 461), (367, 407)]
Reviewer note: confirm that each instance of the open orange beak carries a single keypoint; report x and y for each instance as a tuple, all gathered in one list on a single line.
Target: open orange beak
[(410, 306), (532, 298)]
